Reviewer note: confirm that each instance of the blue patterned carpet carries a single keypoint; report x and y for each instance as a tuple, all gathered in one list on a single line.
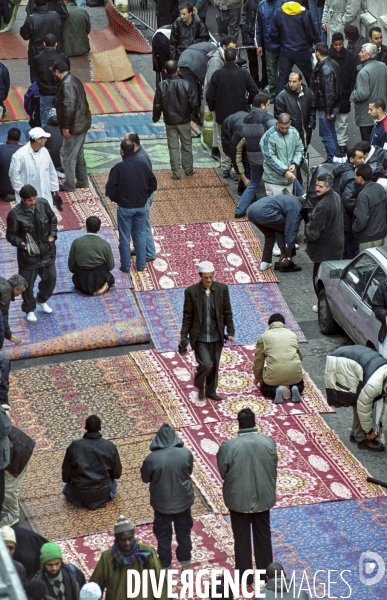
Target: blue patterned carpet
[(252, 305)]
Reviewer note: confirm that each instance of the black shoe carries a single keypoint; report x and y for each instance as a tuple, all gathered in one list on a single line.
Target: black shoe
[(215, 397), (292, 268), (215, 152), (343, 149), (372, 445)]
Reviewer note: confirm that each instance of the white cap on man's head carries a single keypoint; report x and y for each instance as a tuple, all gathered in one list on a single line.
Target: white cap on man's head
[(37, 132), (206, 267)]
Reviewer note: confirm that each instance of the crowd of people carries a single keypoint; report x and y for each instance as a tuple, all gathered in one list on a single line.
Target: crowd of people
[(337, 70)]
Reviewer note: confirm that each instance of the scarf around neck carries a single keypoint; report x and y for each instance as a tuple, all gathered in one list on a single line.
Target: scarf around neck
[(128, 559)]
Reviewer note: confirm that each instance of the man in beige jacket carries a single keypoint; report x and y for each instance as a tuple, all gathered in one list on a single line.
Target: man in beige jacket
[(277, 362)]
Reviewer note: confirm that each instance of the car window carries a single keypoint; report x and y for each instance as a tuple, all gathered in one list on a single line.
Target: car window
[(378, 276), (359, 272)]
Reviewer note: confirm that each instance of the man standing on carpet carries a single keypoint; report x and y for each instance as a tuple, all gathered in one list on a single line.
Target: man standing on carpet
[(32, 165), (168, 469), (206, 314), (248, 467), (90, 468), (91, 260), (74, 120), (177, 100), (130, 185), (127, 555), (33, 228), (63, 581)]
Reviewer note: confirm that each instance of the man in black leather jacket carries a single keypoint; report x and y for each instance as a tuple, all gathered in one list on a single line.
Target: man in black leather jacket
[(74, 120), (297, 100), (177, 100), (33, 217), (326, 86), (188, 29), (36, 26)]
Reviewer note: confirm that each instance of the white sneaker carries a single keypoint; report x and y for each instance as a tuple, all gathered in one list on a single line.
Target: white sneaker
[(31, 317), (296, 246), (264, 266), (315, 308), (45, 308), (276, 250)]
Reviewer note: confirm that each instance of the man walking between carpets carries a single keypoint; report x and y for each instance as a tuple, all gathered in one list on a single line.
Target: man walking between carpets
[(168, 471), (127, 554)]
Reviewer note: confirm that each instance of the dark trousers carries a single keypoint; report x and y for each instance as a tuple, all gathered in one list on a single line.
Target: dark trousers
[(351, 245), (2, 487), (270, 237), (254, 68), (263, 553), (5, 367), (46, 285), (365, 133), (207, 356), (270, 390), (162, 528), (285, 68), (91, 280), (316, 267)]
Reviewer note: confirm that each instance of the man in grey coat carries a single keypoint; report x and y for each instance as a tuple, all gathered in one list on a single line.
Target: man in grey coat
[(168, 471), (248, 467), (371, 84), (369, 222)]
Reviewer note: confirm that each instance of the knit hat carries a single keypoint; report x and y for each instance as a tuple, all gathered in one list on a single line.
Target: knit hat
[(206, 267), (49, 551), (8, 534), (123, 524), (90, 591), (351, 31)]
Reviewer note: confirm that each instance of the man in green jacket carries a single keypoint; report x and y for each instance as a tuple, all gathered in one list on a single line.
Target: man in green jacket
[(91, 260), (75, 32), (277, 364)]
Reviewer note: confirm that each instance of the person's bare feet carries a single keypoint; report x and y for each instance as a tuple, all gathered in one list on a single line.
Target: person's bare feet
[(102, 290)]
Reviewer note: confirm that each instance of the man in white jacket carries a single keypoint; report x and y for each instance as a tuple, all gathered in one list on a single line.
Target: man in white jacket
[(32, 165)]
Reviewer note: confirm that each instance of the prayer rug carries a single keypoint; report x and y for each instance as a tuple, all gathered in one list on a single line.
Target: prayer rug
[(12, 45), (64, 282), (78, 322), (127, 33), (171, 378), (252, 305), (52, 516), (101, 159), (234, 249), (313, 463), (51, 402), (135, 95), (212, 545)]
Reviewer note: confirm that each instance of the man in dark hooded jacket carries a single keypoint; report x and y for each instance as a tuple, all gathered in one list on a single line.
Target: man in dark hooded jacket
[(168, 471)]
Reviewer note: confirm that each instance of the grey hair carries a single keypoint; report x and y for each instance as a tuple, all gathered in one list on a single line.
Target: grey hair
[(371, 49), (17, 281), (284, 118), (327, 178)]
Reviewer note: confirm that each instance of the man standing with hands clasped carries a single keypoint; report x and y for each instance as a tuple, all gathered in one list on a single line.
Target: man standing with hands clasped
[(206, 313)]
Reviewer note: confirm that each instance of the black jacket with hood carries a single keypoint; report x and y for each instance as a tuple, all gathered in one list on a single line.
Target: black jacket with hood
[(168, 471)]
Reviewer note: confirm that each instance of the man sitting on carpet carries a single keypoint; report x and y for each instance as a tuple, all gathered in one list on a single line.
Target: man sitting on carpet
[(277, 364), (90, 468), (63, 581), (127, 555), (91, 260)]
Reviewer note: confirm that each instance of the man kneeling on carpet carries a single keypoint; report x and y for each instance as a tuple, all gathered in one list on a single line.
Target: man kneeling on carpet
[(90, 468), (62, 581), (91, 260), (277, 364), (127, 554)]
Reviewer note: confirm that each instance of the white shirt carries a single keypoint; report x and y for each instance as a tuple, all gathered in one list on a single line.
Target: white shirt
[(33, 168)]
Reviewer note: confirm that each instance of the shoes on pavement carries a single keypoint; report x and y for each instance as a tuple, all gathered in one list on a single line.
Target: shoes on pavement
[(288, 267), (276, 250), (226, 173), (31, 317), (201, 395), (45, 308), (372, 445), (278, 395), (352, 438), (315, 308), (215, 397), (234, 176), (296, 397), (264, 266)]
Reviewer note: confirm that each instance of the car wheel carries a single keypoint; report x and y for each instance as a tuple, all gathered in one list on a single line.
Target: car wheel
[(325, 320)]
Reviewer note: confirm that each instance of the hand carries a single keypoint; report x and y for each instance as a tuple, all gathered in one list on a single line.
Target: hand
[(23, 244), (259, 51), (292, 168), (51, 238), (386, 320), (257, 381), (325, 26), (290, 176), (330, 117), (66, 133), (15, 339), (246, 182), (230, 338)]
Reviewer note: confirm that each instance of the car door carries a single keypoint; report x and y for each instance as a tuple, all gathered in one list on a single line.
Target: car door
[(366, 323), (349, 292)]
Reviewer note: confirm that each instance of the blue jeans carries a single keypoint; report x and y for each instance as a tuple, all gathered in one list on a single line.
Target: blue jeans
[(66, 491), (286, 66), (248, 196), (132, 221), (46, 104), (327, 132), (150, 245), (5, 367)]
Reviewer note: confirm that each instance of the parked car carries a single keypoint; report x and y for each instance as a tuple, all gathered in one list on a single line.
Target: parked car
[(346, 289)]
